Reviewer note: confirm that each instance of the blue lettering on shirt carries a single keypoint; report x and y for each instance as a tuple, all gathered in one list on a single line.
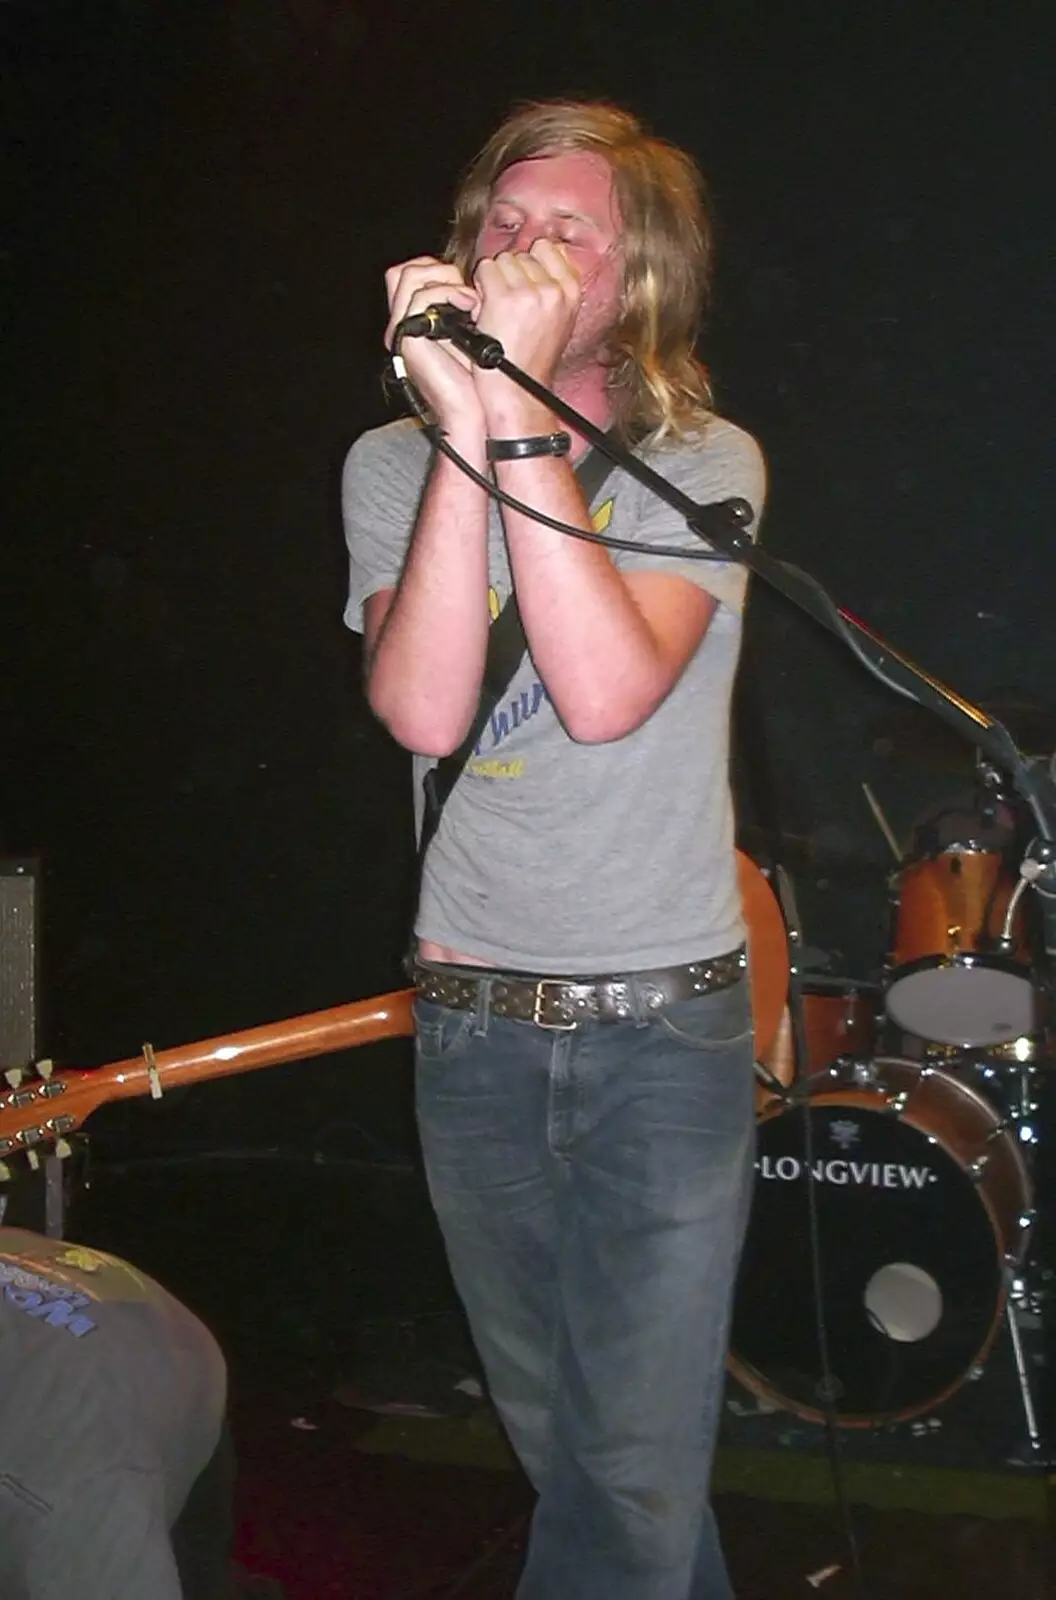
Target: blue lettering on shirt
[(516, 712), (48, 1302)]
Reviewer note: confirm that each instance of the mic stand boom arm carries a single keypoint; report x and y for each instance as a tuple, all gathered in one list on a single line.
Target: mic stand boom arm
[(724, 525)]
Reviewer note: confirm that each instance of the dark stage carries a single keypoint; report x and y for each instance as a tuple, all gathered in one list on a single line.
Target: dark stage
[(202, 200), (371, 1466)]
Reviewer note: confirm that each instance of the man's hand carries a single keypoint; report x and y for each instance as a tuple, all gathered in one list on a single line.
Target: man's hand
[(529, 301), (441, 374)]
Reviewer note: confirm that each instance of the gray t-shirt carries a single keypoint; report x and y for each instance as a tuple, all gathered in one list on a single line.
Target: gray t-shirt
[(112, 1398), (559, 857)]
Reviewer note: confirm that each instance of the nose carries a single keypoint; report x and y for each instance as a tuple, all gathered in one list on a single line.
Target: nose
[(525, 237)]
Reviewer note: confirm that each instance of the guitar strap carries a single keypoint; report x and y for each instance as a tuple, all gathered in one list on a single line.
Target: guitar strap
[(506, 647)]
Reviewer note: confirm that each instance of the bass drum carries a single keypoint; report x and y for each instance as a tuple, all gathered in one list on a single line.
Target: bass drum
[(922, 1202)]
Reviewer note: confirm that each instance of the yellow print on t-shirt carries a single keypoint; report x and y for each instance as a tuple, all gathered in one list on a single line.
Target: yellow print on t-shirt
[(601, 518), (498, 769)]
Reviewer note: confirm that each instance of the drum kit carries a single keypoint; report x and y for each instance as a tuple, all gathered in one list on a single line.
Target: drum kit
[(908, 1118)]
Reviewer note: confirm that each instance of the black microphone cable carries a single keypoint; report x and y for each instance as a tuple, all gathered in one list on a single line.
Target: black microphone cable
[(827, 1386), (438, 440)]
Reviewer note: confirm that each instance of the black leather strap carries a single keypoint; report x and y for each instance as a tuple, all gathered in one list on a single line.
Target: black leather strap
[(541, 444), (506, 647)]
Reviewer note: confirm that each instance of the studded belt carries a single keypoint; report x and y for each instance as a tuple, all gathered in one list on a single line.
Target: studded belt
[(565, 1002)]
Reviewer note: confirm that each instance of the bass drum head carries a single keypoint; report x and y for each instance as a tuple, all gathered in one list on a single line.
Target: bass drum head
[(911, 1263)]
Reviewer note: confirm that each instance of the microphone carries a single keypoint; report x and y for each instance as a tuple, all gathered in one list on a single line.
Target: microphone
[(435, 322), (451, 322)]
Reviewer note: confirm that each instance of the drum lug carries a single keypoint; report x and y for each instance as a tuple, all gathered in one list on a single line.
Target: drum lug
[(977, 1168), (897, 1103), (1018, 1288), (1025, 1224), (1028, 1298)]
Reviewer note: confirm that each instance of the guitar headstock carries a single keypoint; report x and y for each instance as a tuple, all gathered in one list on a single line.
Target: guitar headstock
[(39, 1107), (33, 1122)]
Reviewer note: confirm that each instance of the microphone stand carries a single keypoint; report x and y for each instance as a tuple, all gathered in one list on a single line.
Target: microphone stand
[(724, 526)]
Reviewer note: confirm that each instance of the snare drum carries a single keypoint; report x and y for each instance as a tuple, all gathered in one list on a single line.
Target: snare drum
[(923, 1206), (946, 980)]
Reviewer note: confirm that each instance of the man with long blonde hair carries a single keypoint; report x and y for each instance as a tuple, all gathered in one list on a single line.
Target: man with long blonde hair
[(584, 1051)]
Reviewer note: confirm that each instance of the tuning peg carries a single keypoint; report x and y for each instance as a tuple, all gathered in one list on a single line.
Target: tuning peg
[(45, 1068), (33, 1159), (63, 1149), (14, 1076)]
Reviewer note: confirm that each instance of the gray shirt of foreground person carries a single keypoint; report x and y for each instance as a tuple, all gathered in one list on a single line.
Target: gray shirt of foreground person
[(112, 1398)]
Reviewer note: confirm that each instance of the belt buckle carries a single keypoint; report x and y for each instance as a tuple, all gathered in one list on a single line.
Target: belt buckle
[(540, 1000)]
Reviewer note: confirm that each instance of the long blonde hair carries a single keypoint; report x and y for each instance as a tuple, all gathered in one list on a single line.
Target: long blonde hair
[(656, 384)]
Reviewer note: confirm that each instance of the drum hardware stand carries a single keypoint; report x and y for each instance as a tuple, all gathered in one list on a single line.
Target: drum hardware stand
[(1022, 1306), (1018, 1301), (1015, 1304), (1005, 941), (1026, 1108)]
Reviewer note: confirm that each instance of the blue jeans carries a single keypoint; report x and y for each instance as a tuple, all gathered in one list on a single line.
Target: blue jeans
[(593, 1188)]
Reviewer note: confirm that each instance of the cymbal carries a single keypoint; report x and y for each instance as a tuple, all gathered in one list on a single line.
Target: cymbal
[(915, 734)]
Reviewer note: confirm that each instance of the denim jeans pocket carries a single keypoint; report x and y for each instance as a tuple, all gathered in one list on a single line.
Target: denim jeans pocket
[(440, 1032), (709, 1021)]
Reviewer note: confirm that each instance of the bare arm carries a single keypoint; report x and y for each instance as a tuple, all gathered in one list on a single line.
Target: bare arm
[(427, 639), (609, 647)]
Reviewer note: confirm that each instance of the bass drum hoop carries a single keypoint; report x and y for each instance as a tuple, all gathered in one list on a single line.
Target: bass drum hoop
[(1009, 1221)]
